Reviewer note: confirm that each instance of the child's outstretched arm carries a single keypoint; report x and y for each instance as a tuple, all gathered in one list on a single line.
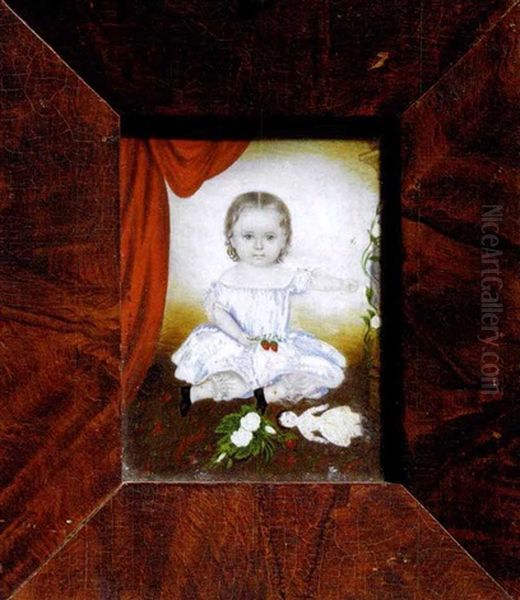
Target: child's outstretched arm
[(223, 320), (326, 283)]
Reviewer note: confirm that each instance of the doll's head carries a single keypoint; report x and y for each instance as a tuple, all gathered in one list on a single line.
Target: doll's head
[(287, 419), (258, 229)]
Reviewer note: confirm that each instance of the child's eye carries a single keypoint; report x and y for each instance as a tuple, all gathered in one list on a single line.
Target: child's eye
[(270, 237), (248, 236)]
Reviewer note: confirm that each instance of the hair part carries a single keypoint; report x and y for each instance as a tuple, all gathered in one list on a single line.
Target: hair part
[(257, 200)]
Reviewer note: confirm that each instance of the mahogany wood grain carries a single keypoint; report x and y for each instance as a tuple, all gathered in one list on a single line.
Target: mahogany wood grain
[(226, 57), (348, 542), (59, 350), (461, 147), (59, 294)]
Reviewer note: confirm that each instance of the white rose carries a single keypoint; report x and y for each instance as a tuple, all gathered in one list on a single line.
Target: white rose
[(375, 322), (270, 430), (241, 437), (251, 422)]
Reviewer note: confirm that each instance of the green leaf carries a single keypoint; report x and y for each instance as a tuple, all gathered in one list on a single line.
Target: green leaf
[(233, 450), (222, 428), (268, 454), (225, 446), (232, 419), (269, 447), (228, 425), (242, 453)]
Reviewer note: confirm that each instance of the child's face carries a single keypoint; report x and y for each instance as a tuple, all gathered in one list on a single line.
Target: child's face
[(258, 237)]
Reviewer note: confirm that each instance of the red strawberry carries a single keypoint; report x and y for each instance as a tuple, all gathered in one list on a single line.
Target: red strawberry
[(274, 346), (265, 344)]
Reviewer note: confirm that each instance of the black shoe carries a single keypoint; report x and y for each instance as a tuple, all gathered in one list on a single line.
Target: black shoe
[(185, 403), (261, 404)]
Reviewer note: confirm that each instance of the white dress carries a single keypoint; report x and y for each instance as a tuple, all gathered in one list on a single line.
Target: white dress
[(306, 366)]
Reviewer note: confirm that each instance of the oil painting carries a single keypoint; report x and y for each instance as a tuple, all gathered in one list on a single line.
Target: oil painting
[(267, 367)]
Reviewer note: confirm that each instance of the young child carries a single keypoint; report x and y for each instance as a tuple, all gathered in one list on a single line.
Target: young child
[(248, 348)]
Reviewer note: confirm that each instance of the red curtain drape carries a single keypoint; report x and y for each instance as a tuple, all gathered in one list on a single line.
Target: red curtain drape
[(145, 165)]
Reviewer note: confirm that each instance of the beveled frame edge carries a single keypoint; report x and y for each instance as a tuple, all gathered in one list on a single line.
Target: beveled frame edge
[(398, 118)]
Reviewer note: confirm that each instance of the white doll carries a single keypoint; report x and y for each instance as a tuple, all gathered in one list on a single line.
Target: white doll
[(334, 426), (249, 348)]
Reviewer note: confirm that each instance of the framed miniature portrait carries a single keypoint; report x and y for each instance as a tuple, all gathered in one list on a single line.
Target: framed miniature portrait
[(268, 358), (258, 299)]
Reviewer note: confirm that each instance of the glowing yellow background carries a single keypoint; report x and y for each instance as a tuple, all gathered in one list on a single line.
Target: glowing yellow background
[(332, 191)]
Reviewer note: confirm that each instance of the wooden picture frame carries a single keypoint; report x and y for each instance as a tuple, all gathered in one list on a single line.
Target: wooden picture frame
[(70, 527)]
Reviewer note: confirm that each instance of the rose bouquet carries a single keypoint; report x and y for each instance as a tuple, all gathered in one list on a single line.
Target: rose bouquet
[(245, 434)]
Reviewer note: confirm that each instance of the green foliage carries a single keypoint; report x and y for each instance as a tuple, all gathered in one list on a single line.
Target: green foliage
[(262, 445), (370, 255)]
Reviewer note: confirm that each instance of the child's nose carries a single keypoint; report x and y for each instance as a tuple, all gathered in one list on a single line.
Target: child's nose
[(259, 244)]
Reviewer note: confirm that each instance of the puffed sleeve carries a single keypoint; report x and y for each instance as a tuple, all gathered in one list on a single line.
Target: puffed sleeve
[(214, 297), (301, 281)]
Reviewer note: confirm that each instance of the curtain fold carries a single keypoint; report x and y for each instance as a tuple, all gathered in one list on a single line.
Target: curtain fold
[(186, 164), (145, 166)]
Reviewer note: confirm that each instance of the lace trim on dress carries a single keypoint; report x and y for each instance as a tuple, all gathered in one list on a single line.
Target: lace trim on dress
[(300, 281), (227, 385)]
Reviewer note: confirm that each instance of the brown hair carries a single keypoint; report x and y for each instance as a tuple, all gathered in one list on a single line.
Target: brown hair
[(257, 200)]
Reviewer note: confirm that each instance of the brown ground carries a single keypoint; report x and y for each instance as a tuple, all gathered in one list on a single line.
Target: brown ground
[(162, 445)]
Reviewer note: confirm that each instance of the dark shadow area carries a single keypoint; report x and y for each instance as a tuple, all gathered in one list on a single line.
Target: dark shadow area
[(273, 127), (394, 447)]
